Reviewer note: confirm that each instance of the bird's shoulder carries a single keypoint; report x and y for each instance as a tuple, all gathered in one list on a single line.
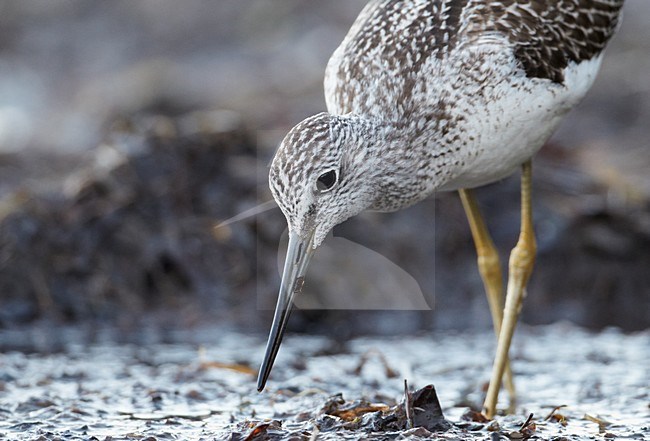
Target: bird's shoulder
[(545, 35), (401, 36)]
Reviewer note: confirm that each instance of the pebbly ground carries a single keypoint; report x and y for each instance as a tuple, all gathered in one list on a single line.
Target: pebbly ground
[(200, 385)]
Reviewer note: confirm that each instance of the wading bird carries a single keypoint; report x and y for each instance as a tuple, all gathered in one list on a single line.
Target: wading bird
[(437, 95)]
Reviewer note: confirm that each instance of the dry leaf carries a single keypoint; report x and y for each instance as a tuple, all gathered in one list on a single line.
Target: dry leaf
[(355, 412), (205, 365)]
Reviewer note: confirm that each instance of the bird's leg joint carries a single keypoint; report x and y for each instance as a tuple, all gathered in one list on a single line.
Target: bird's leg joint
[(522, 259), (488, 262)]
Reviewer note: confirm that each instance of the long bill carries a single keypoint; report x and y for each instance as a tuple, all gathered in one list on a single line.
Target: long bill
[(299, 253)]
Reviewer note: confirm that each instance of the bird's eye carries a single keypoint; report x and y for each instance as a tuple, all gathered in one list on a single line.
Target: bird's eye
[(326, 181)]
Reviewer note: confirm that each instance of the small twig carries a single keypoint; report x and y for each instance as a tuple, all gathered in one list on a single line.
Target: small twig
[(314, 433), (602, 424), (527, 423), (555, 409), (408, 406), (389, 372)]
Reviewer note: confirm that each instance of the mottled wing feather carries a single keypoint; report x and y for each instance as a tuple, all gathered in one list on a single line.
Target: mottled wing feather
[(396, 37), (547, 35)]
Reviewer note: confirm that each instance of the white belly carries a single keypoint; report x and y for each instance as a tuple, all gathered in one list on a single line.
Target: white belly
[(511, 130)]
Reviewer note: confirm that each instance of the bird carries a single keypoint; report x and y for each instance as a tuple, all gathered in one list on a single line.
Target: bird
[(426, 96)]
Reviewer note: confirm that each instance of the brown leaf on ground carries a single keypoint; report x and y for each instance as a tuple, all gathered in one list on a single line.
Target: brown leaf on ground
[(602, 424), (355, 409), (261, 430), (475, 416), (242, 368), (424, 403), (427, 410)]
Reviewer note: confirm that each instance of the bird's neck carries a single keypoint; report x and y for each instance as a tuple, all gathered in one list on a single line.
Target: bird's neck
[(396, 159)]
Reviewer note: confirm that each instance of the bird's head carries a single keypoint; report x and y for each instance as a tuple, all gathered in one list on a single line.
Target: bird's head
[(321, 175)]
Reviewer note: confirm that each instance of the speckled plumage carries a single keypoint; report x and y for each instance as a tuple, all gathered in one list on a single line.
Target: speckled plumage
[(427, 95)]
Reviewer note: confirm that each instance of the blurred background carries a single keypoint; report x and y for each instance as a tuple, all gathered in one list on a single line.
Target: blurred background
[(130, 130)]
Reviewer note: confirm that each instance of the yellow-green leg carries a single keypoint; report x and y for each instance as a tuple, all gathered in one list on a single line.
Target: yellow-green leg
[(522, 259), (489, 267)]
